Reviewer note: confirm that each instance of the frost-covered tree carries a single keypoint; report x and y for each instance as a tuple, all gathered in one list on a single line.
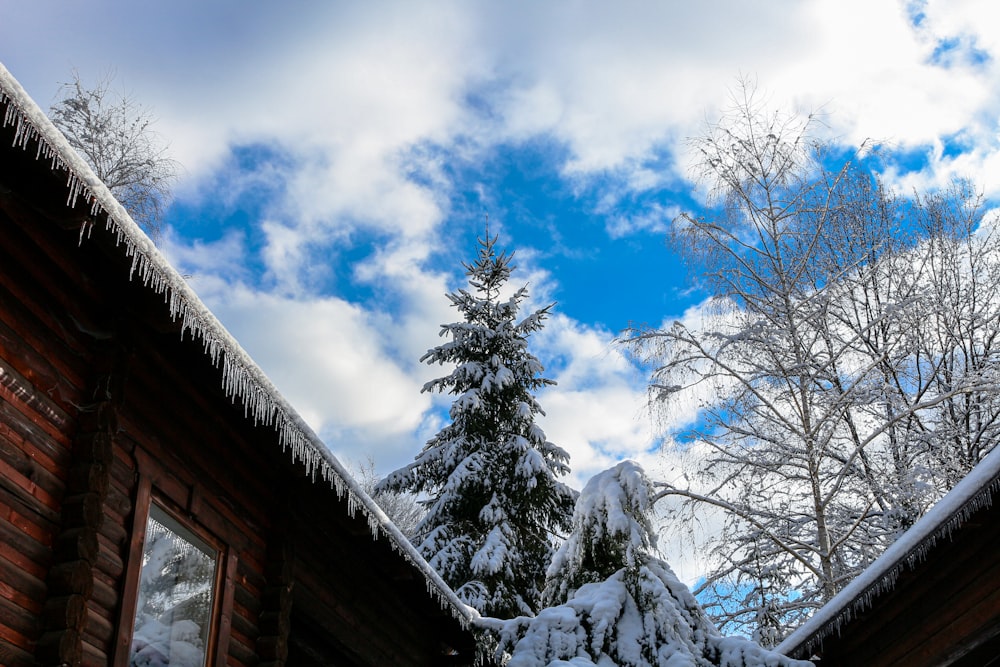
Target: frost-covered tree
[(115, 135), (846, 363), (403, 508), (495, 502), (613, 601)]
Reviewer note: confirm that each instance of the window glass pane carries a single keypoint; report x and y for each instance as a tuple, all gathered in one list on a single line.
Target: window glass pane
[(174, 607)]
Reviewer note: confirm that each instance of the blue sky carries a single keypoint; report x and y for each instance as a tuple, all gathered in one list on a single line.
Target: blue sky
[(339, 160)]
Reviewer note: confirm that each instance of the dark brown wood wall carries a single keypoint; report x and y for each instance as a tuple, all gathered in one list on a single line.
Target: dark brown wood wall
[(44, 382), (92, 398)]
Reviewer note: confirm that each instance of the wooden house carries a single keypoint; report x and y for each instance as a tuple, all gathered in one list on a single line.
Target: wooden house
[(160, 502), (933, 599)]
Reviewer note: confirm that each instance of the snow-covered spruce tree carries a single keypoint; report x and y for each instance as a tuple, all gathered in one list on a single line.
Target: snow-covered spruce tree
[(494, 500), (614, 602)]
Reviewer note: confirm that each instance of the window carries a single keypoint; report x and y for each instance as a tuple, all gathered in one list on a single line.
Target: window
[(176, 595)]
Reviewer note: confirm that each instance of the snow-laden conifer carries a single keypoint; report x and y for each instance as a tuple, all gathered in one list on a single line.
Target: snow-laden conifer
[(490, 475), (614, 602)]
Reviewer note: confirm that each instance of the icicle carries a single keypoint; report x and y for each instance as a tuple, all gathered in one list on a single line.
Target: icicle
[(85, 228), (74, 185), (8, 117)]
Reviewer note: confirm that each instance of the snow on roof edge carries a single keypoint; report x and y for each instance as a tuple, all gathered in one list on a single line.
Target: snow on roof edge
[(974, 492), (242, 378)]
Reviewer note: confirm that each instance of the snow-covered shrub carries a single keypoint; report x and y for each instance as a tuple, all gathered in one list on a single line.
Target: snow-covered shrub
[(614, 603)]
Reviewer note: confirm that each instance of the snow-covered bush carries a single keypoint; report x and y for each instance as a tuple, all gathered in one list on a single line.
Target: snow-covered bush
[(614, 603)]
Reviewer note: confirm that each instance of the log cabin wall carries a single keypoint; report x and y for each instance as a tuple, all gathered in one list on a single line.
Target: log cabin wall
[(93, 399), (106, 406)]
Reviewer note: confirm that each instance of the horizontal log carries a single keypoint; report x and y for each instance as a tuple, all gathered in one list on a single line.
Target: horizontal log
[(23, 549), (113, 528), (89, 476), (249, 573), (16, 618), (60, 647), (75, 544), (71, 577), (32, 473), (21, 587), (93, 656), (38, 401), (240, 652), (15, 656), (53, 445), (29, 605), (23, 482), (45, 417), (109, 558), (45, 300), (104, 595), (83, 510), (118, 500), (123, 470), (23, 515), (66, 612), (243, 627), (99, 631), (246, 598), (23, 496)]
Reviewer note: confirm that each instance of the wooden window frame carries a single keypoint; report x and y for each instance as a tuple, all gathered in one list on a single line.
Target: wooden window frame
[(220, 619)]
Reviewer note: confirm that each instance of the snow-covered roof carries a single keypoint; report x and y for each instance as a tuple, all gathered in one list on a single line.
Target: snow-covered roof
[(976, 491), (242, 378)]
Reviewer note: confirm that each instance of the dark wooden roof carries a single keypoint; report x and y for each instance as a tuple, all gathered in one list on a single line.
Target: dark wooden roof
[(932, 599), (43, 172)]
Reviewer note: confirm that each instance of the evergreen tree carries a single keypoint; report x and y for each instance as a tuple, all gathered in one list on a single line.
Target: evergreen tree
[(614, 601), (494, 500)]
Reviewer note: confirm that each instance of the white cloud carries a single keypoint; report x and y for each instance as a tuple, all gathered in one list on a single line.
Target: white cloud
[(224, 256), (656, 218), (351, 370), (325, 355), (350, 90), (595, 412), (354, 97)]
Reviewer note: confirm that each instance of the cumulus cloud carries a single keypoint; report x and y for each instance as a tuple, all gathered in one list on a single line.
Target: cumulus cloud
[(353, 121), (595, 411)]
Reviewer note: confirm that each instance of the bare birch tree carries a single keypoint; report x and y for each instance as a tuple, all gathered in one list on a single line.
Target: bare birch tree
[(114, 134), (839, 383)]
